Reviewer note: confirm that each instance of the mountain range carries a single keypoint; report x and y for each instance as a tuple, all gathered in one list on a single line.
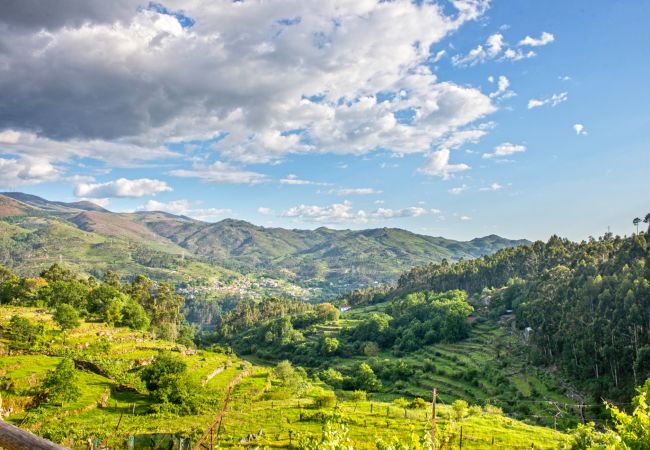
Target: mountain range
[(35, 232)]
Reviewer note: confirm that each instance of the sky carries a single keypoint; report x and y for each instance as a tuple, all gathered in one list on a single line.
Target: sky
[(455, 118)]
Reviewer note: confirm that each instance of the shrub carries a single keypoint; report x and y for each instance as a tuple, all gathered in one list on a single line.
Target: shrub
[(401, 402), (325, 399), (419, 403), (359, 396), (494, 410), (460, 408), (61, 384)]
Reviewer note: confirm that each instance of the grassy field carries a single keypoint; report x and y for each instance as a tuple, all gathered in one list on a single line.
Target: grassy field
[(284, 414)]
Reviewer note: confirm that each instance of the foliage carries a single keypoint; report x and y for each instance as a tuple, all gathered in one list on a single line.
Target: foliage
[(585, 305), (23, 334), (634, 428), (61, 384), (334, 437), (66, 317)]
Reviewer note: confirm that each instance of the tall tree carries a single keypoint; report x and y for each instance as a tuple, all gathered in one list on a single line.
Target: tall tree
[(636, 223)]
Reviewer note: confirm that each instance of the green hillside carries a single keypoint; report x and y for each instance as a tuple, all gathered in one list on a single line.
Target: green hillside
[(310, 263), (287, 407)]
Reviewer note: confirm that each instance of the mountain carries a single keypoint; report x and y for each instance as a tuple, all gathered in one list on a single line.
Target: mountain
[(323, 261)]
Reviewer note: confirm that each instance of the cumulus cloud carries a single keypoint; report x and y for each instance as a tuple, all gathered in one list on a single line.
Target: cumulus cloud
[(345, 213), (579, 129), (553, 100), (220, 172), (122, 188), (464, 218), (544, 39), (185, 208), (437, 164), (118, 82), (27, 170), (505, 149), (265, 211)]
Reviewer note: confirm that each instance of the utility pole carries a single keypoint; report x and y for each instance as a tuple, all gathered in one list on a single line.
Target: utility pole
[(433, 419)]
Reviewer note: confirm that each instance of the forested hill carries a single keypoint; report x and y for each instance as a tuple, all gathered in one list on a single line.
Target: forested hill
[(319, 262), (585, 306)]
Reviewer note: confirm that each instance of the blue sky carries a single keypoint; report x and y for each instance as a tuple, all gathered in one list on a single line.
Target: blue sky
[(459, 119)]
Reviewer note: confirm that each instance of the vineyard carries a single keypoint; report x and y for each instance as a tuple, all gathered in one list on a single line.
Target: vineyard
[(266, 408)]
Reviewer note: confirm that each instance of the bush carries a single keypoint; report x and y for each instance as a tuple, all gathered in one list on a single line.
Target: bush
[(494, 410), (419, 403), (359, 396), (460, 408), (325, 399), (61, 384)]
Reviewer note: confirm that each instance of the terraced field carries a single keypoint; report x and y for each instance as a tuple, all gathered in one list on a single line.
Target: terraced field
[(263, 411), (489, 367)]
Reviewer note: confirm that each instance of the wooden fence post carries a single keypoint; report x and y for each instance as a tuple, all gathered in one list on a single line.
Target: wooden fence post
[(433, 419)]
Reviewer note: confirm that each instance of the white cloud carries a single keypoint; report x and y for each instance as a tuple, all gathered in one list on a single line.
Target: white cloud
[(9, 137), (25, 171), (491, 49), (221, 173), (579, 129), (441, 54), (464, 218), (292, 179), (458, 190), (505, 149), (553, 100), (356, 191), (437, 164), (544, 39), (502, 89), (517, 54), (345, 213), (185, 208), (122, 187), (118, 83), (496, 48), (493, 187), (265, 211)]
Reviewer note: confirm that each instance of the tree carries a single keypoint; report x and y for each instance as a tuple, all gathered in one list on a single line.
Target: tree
[(8, 285), (61, 384), (23, 335), (365, 378), (71, 292), (57, 272), (66, 317), (113, 279), (165, 365), (636, 223), (647, 220), (167, 381), (330, 345)]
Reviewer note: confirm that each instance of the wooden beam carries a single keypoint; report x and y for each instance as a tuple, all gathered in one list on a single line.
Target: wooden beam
[(14, 438)]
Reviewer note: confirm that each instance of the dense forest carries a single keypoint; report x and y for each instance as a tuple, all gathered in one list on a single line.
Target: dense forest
[(585, 306)]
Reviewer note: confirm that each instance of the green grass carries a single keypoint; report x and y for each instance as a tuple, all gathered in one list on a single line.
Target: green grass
[(258, 402)]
